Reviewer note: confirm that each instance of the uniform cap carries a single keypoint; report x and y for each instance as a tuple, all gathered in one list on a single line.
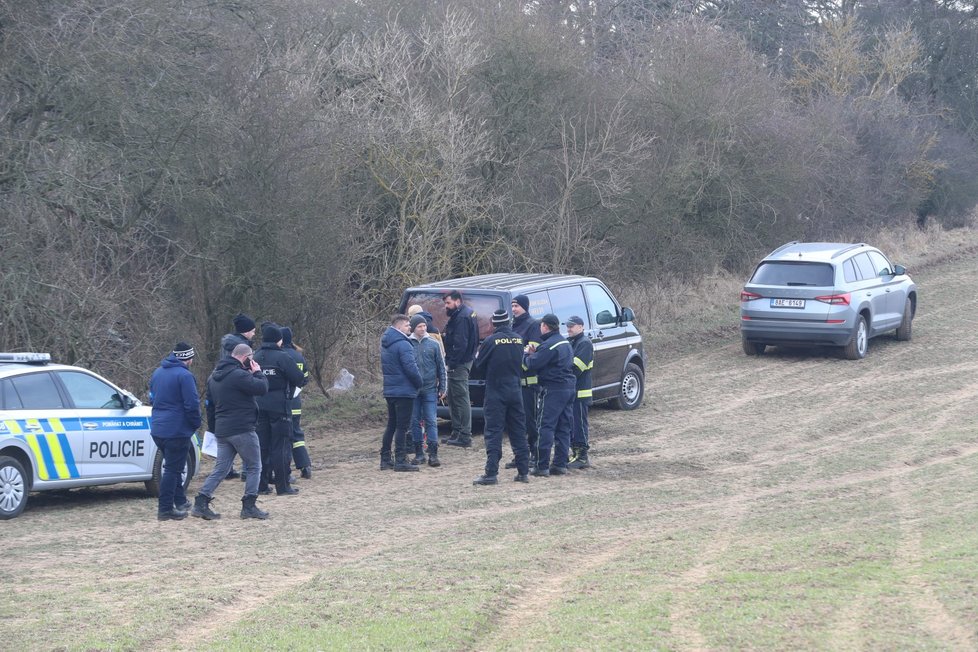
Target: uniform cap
[(271, 333), (574, 319), (551, 320)]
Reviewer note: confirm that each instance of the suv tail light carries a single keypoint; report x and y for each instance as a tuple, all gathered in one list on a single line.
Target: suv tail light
[(835, 299), (749, 296)]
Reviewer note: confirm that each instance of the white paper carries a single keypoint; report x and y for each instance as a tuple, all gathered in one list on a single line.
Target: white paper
[(209, 446)]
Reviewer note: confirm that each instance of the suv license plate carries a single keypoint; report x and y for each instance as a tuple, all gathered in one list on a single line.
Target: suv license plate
[(787, 303)]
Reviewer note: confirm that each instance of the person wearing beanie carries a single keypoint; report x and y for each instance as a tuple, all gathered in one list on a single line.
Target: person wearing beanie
[(244, 333), (402, 381), (527, 328), (175, 419), (432, 330), (424, 415), (297, 446), (583, 364), (552, 361), (461, 341), (500, 358), (275, 410)]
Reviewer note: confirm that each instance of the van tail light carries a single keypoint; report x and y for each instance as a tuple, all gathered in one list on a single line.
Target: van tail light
[(835, 299), (749, 296)]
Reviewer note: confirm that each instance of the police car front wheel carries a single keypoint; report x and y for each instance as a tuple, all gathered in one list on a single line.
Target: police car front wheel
[(13, 488)]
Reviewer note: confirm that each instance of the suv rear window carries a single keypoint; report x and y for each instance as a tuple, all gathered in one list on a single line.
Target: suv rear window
[(794, 274), (482, 304)]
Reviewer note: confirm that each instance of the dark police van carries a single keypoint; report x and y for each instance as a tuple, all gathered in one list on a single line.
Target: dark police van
[(619, 360)]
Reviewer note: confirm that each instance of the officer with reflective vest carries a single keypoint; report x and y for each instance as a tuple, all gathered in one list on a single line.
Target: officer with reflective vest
[(552, 360), (297, 444), (528, 329), (583, 364), (501, 357)]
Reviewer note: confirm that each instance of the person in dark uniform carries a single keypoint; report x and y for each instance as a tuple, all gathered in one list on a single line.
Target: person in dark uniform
[(275, 410), (244, 332), (297, 445), (583, 364), (461, 340), (528, 329), (501, 356), (552, 362)]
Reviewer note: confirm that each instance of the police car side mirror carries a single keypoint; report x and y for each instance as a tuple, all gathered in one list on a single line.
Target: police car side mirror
[(123, 402), (604, 318), (899, 270)]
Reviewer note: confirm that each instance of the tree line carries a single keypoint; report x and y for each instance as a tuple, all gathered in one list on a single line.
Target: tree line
[(165, 164)]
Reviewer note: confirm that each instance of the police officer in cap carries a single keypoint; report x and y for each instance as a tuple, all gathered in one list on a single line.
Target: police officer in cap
[(552, 362), (528, 329)]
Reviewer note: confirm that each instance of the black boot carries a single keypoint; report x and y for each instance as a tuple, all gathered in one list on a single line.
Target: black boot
[(306, 473), (202, 508), (460, 441), (171, 515), (486, 479), (581, 461), (511, 464), (433, 455), (401, 464), (419, 457), (386, 460), (250, 510)]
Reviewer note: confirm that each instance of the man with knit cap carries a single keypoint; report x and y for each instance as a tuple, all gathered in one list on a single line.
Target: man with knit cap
[(500, 357), (528, 329), (583, 364), (275, 410), (552, 360), (297, 444), (431, 365), (175, 419), (244, 332)]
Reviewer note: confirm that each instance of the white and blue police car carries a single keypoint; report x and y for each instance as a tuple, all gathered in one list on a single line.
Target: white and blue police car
[(63, 427)]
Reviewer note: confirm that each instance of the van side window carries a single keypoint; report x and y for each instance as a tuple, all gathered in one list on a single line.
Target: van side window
[(539, 304), (601, 304), (567, 301)]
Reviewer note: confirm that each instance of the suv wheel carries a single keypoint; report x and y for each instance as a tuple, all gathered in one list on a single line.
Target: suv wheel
[(632, 388), (754, 348), (153, 486), (13, 488), (859, 342), (905, 331)]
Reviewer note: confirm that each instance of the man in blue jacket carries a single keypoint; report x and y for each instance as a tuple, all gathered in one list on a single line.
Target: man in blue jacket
[(431, 364), (461, 339), (552, 361), (402, 381), (175, 418)]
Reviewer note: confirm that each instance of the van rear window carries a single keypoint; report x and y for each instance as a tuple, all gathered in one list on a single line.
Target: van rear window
[(794, 274), (483, 305)]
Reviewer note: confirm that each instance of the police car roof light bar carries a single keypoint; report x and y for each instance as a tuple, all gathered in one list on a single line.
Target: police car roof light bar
[(27, 358)]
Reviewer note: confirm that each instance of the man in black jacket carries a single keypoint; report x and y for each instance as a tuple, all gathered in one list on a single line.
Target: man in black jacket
[(275, 410), (231, 415), (461, 339)]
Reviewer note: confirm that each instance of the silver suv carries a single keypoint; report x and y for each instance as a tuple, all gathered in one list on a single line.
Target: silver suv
[(826, 293)]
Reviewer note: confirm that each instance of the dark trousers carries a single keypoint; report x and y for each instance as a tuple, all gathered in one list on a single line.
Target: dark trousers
[(580, 437), (504, 410), (554, 419), (274, 430), (530, 397), (175, 450), (398, 421), (300, 454)]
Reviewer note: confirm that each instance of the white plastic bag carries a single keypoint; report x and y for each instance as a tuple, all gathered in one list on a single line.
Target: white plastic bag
[(344, 381), (209, 447)]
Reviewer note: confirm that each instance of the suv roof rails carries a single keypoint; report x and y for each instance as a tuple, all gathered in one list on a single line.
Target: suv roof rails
[(25, 358), (849, 248), (782, 247)]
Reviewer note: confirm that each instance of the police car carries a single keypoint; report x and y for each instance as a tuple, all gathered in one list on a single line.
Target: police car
[(63, 427)]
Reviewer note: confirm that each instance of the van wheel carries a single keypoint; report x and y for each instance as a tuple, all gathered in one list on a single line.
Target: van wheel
[(753, 348), (153, 486), (859, 342), (13, 488), (905, 331), (632, 388)]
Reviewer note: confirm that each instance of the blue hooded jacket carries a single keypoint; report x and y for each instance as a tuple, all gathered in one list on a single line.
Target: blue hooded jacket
[(401, 376), (176, 404)]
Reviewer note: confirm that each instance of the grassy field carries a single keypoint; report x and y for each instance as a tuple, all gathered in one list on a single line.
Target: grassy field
[(790, 501)]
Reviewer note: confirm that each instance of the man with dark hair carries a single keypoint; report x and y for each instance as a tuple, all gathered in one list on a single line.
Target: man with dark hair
[(275, 410), (552, 362), (232, 413), (583, 364), (501, 357), (297, 445), (528, 329), (461, 339), (175, 418), (402, 380), (244, 332)]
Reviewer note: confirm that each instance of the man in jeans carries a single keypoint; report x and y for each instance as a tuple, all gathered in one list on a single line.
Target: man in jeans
[(431, 364), (232, 415), (402, 380), (461, 340), (176, 416)]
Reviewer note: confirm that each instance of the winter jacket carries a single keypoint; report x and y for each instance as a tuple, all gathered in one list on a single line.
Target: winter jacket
[(552, 362), (461, 336), (501, 357), (231, 392), (300, 362), (228, 342), (176, 404), (583, 364), (402, 379), (431, 364), (283, 376), (528, 328)]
